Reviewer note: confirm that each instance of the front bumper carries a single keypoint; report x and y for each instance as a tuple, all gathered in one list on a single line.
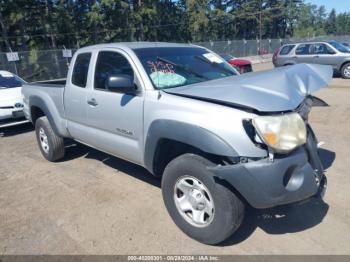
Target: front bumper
[(285, 180), (11, 116)]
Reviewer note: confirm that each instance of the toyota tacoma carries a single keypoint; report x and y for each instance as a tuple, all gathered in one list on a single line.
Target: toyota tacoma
[(219, 141)]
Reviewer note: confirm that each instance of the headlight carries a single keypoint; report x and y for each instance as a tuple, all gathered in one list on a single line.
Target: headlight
[(282, 133)]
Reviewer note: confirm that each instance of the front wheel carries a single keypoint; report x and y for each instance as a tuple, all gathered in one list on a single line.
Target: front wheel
[(345, 71), (50, 144), (203, 209)]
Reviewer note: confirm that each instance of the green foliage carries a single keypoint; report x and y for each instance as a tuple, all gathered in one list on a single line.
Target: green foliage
[(52, 24)]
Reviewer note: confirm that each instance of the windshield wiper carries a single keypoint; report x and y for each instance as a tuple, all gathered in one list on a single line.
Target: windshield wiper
[(184, 68)]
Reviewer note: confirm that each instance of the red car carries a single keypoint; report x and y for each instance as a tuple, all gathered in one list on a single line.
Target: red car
[(243, 66)]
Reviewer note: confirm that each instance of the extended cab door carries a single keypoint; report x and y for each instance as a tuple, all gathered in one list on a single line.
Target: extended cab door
[(115, 120), (75, 95)]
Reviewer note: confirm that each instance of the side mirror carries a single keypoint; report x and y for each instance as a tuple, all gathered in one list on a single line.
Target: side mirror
[(121, 84)]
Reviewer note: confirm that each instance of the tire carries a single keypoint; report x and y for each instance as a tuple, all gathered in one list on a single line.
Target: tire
[(52, 148), (228, 208), (345, 71)]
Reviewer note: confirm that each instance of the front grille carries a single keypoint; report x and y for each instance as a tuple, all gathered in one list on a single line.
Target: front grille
[(7, 107)]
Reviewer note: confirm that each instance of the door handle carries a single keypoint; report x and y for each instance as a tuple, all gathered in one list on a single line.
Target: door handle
[(92, 102), (316, 56)]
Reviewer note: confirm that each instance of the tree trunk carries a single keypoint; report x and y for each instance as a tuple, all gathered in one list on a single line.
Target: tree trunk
[(141, 35), (4, 33)]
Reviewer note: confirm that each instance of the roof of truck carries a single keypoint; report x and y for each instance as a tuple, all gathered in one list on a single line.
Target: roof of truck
[(138, 45)]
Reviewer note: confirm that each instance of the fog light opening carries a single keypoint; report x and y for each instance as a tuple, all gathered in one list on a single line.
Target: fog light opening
[(293, 178)]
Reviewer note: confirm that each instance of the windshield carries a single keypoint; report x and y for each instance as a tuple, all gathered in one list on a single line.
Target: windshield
[(169, 67), (8, 80), (340, 47)]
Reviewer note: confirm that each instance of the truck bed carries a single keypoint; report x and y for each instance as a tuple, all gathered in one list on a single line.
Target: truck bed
[(49, 91), (60, 83)]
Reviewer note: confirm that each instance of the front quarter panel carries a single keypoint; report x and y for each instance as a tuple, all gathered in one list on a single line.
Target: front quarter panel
[(221, 126)]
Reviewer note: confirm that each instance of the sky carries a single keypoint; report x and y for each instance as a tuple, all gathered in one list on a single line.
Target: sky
[(339, 5)]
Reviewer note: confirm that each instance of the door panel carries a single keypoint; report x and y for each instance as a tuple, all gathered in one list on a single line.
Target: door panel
[(75, 96), (115, 120), (324, 55), (118, 122), (304, 54)]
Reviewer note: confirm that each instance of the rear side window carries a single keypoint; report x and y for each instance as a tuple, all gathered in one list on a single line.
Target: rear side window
[(304, 49), (80, 70), (286, 49)]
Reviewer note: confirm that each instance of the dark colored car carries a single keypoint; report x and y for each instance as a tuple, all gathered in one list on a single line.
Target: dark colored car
[(242, 65)]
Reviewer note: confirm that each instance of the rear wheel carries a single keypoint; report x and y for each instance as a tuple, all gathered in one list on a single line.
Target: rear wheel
[(345, 71), (203, 209), (50, 144)]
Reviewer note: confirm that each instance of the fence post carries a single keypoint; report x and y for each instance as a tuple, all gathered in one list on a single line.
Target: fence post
[(245, 47)]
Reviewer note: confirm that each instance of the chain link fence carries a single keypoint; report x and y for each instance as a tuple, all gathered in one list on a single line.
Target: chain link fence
[(244, 48), (39, 65)]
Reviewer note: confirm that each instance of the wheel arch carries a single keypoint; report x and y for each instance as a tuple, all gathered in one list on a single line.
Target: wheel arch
[(167, 139), (39, 108), (343, 64)]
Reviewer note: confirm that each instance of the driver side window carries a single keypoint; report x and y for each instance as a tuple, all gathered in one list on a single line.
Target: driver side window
[(108, 64)]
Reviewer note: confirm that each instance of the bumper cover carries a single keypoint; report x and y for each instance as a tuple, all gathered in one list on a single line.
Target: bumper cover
[(11, 117), (266, 183)]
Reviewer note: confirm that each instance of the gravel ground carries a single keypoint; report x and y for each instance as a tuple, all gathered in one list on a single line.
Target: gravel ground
[(92, 203)]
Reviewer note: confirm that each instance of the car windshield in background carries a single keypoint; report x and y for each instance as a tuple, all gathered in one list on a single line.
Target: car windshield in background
[(10, 81), (340, 47), (169, 67)]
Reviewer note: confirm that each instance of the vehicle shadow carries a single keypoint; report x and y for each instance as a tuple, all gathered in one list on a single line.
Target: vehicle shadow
[(16, 130), (76, 150), (280, 220)]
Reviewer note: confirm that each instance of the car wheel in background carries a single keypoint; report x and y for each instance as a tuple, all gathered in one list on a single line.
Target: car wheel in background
[(202, 208), (51, 145), (345, 71)]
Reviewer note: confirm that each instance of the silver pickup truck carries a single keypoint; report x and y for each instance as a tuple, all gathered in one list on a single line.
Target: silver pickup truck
[(218, 140)]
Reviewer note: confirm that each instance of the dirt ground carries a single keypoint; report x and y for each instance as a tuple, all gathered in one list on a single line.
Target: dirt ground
[(92, 203)]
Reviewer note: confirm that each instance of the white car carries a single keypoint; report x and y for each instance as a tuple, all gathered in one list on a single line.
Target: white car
[(11, 100)]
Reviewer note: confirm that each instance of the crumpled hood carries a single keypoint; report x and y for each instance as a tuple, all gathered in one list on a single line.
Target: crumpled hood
[(10, 95), (281, 89)]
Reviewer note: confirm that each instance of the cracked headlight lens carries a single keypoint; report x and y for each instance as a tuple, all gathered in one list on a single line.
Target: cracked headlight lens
[(281, 133)]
